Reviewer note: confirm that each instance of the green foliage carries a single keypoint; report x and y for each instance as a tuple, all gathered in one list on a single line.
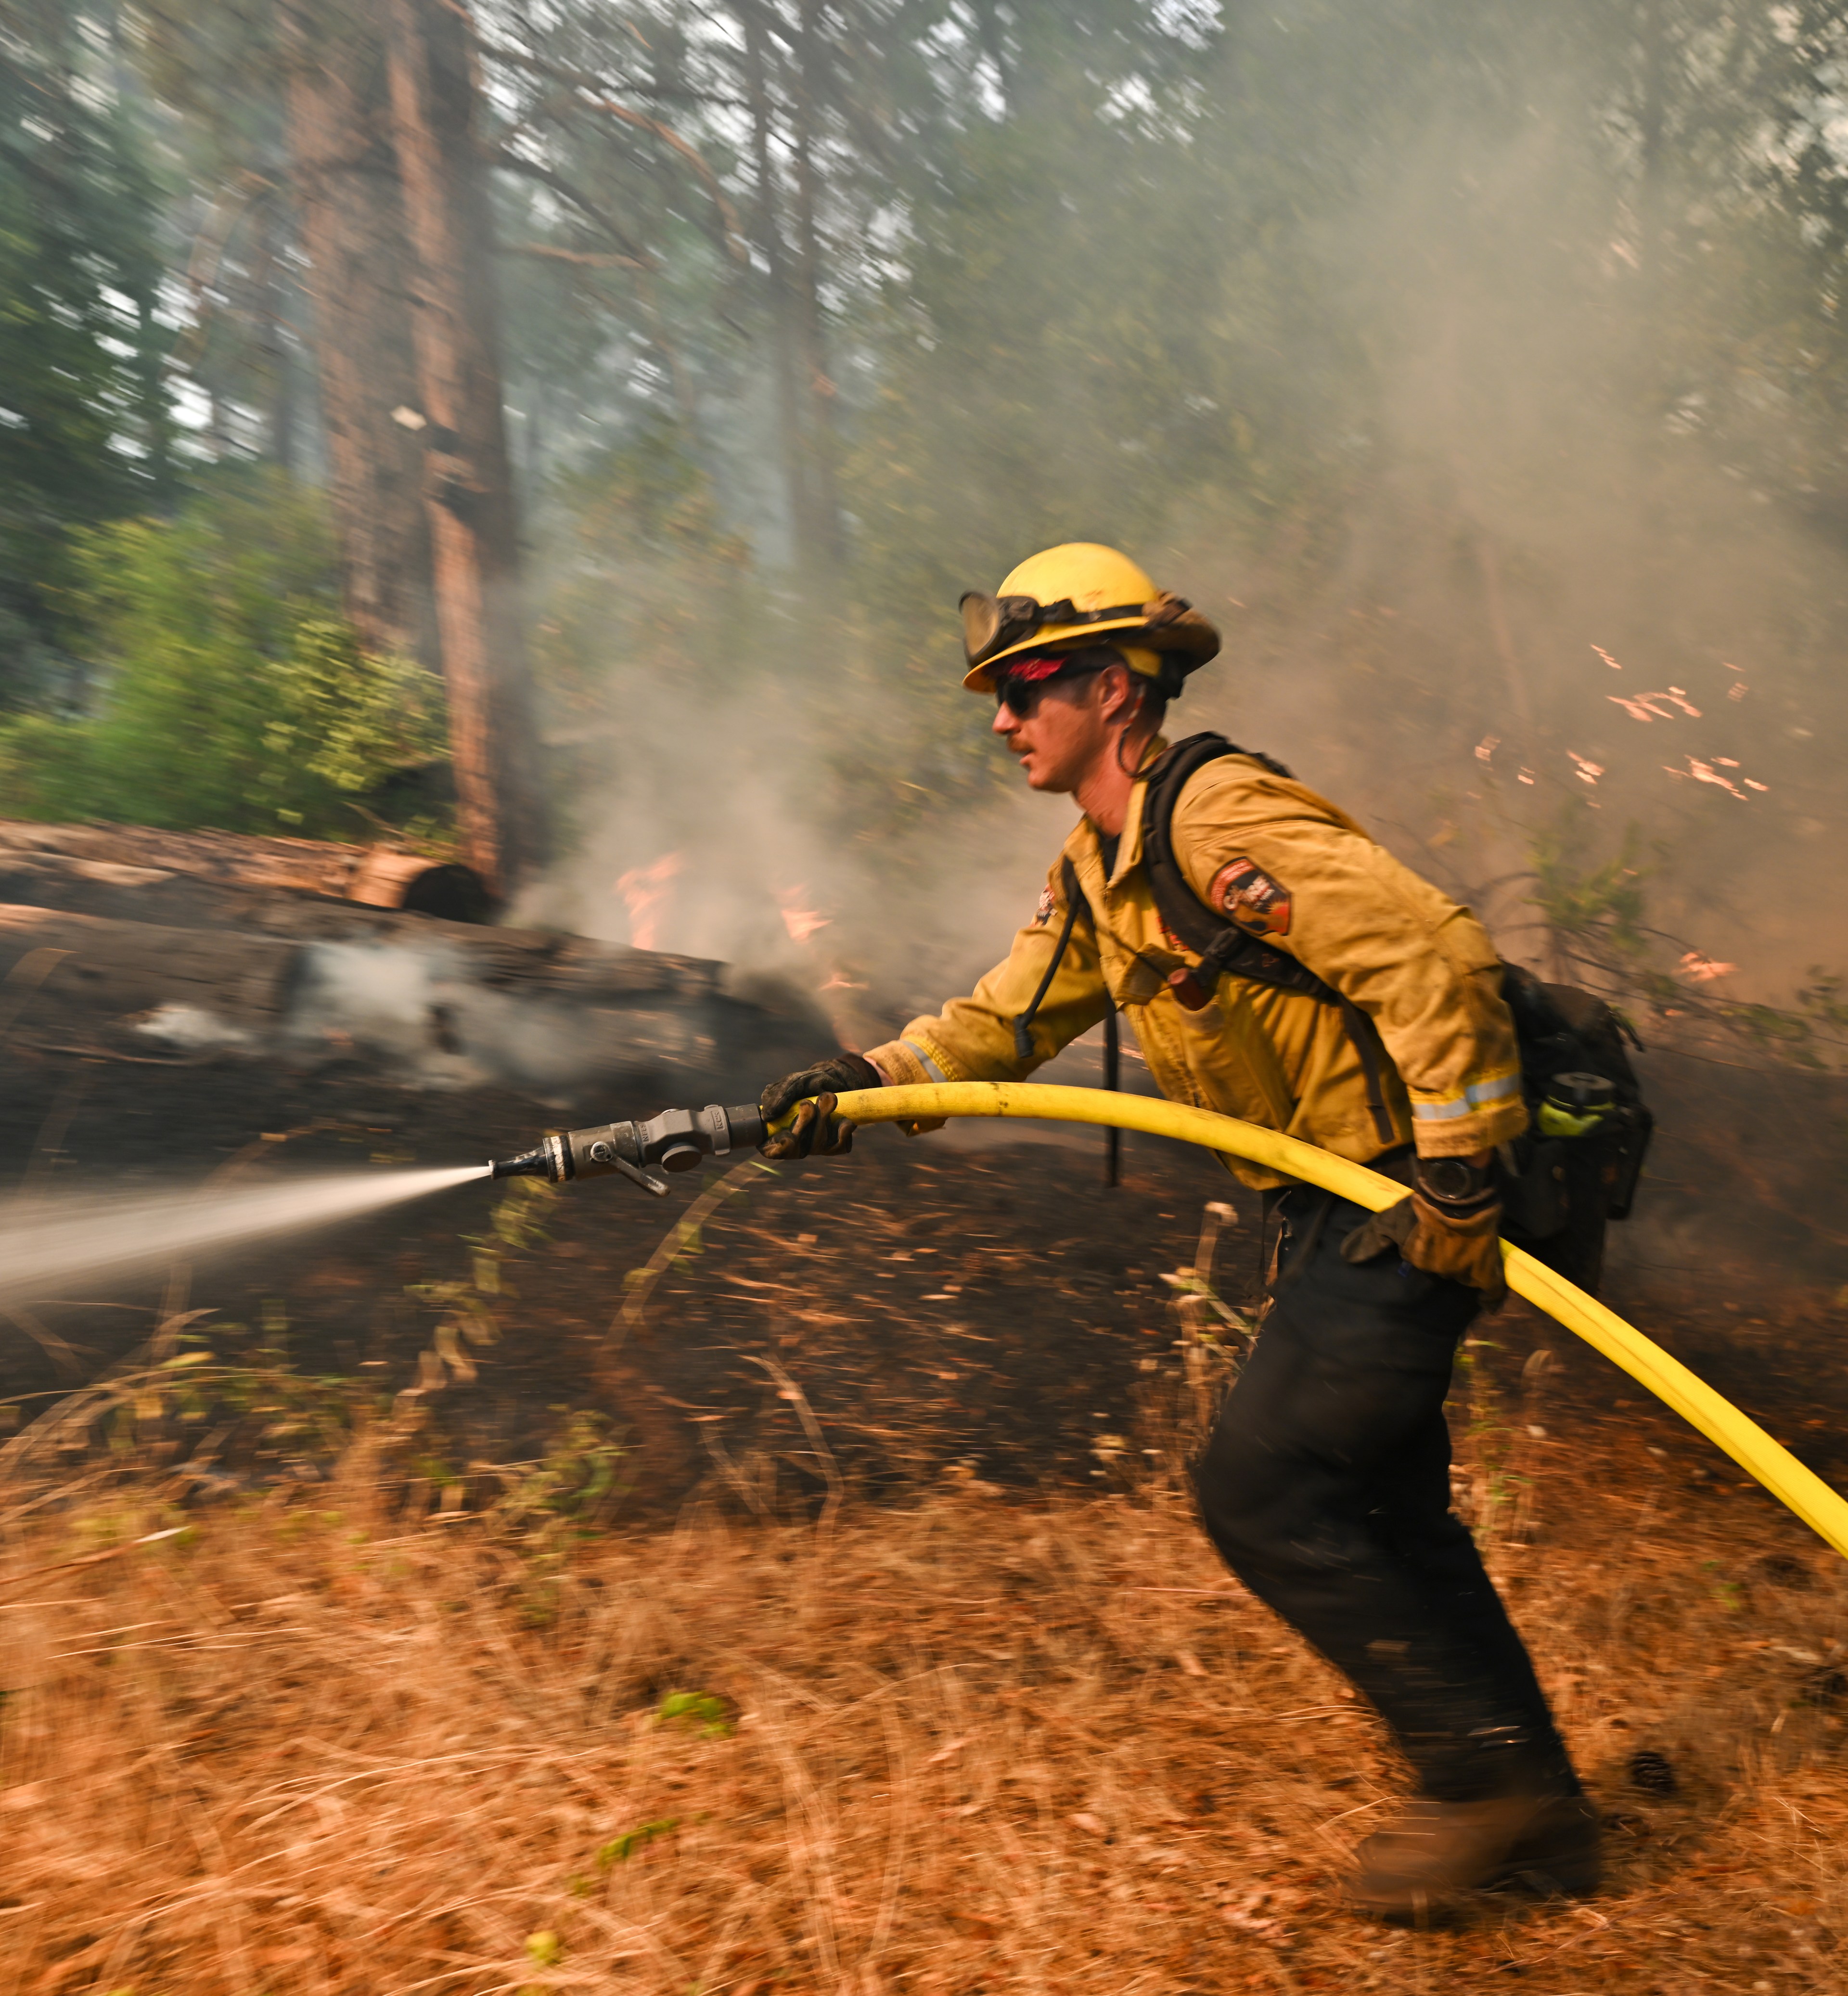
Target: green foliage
[(1821, 1002), (577, 1479), (84, 427), (230, 694), (1590, 905), (467, 1305), (698, 1711), (620, 1849), (255, 1408), (1727, 1591), (521, 1218), (1595, 914), (551, 1505), (348, 719), (1457, 317), (1769, 1029)]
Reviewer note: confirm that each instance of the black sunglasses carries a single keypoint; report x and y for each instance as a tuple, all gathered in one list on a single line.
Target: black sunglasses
[(1021, 695)]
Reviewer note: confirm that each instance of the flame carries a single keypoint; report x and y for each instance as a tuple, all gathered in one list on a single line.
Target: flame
[(1655, 706), (1588, 772), (1486, 748), (801, 923), (643, 889), (1703, 969), (1705, 772), (1526, 777), (1607, 659), (840, 982)]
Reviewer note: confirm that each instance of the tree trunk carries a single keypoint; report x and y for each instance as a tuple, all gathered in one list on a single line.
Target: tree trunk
[(269, 298), (468, 484), (784, 363), (345, 175), (812, 346)]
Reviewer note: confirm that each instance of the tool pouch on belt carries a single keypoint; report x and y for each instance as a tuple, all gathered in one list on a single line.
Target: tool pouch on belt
[(1577, 1166)]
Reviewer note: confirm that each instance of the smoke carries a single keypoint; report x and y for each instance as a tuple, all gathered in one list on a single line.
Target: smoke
[(1527, 548), (190, 1028), (1571, 582), (1540, 584), (872, 924), (427, 1015)]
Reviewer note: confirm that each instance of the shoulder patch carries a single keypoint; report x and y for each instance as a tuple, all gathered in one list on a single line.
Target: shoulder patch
[(1242, 890), (1043, 914)]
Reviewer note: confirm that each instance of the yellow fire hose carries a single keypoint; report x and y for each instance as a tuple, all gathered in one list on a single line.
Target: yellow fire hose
[(1801, 1490)]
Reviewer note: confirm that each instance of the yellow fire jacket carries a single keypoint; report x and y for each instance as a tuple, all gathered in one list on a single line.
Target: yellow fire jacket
[(1288, 866)]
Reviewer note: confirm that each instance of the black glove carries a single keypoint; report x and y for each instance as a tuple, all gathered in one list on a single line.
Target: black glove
[(1446, 1228), (816, 1131)]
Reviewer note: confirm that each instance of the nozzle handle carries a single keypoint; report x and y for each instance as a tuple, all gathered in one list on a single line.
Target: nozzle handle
[(648, 1181)]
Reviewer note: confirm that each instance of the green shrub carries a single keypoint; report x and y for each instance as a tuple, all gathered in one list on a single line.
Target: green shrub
[(229, 691)]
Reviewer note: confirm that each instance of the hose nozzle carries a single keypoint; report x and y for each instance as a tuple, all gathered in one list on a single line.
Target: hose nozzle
[(544, 1161), (675, 1141)]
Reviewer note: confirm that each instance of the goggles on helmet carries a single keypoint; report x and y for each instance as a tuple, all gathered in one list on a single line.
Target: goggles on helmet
[(990, 624)]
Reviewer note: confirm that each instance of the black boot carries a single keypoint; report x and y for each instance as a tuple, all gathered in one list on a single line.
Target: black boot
[(1424, 1868)]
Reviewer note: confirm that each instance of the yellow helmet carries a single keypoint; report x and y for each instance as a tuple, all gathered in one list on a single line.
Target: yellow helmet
[(1072, 596)]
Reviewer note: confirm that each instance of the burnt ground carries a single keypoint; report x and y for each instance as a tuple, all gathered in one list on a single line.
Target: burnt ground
[(964, 1306), (1099, 1763)]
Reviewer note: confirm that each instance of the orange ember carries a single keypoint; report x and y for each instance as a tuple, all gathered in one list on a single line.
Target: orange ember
[(643, 889)]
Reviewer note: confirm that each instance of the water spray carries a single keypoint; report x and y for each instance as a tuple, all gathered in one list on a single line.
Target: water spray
[(48, 1245), (675, 1140)]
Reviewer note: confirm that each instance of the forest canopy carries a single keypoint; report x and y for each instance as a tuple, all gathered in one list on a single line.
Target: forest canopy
[(648, 371)]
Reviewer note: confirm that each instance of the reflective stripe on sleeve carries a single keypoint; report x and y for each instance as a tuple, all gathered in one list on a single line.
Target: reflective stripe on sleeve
[(931, 1067), (1477, 1095)]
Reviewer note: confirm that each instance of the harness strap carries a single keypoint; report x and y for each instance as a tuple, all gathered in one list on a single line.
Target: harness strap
[(1023, 1025), (1074, 900), (1223, 947)]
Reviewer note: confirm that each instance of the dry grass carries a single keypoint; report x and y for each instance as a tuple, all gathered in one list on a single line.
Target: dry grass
[(966, 1746)]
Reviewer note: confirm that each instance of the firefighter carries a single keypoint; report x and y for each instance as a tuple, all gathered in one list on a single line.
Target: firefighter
[(1361, 1012)]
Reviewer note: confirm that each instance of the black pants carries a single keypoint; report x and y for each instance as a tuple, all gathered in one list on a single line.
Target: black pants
[(1326, 1487)]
